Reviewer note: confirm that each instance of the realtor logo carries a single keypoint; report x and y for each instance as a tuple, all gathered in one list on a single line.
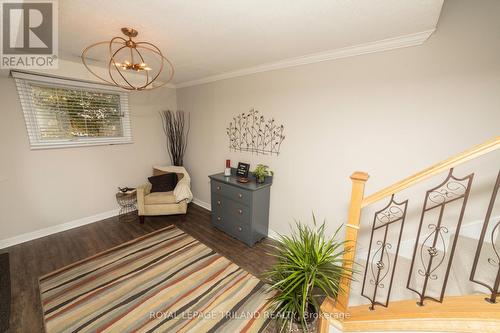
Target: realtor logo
[(29, 34)]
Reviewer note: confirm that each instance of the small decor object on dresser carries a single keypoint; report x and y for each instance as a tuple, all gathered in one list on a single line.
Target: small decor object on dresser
[(227, 170), (240, 210), (242, 170), (261, 172)]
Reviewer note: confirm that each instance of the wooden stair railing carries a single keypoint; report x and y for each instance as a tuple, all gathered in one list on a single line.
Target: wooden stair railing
[(334, 311)]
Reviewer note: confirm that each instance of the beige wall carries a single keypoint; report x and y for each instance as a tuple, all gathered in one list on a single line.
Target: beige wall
[(45, 188), (390, 113)]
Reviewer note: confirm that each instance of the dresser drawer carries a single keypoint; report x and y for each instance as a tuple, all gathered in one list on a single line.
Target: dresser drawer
[(240, 212), (231, 192), (220, 219), (241, 231), (231, 209)]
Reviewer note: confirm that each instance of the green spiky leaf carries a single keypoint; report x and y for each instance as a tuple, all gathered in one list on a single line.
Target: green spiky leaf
[(307, 261)]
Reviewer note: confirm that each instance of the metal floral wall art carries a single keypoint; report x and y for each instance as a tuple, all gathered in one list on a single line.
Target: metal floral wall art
[(251, 132)]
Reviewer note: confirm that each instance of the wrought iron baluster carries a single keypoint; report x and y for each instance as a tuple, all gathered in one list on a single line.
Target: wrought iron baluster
[(450, 190), (379, 264), (495, 232)]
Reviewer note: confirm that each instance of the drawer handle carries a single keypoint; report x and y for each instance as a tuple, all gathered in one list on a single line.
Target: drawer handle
[(239, 229), (219, 218), (218, 202), (240, 211), (240, 195), (218, 188)]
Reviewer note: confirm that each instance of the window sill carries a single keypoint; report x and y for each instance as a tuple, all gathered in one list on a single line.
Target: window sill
[(43, 146)]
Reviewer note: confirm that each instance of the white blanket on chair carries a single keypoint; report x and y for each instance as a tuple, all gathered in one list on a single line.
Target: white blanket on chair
[(183, 189)]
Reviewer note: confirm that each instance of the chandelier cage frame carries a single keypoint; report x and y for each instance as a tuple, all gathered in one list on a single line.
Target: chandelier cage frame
[(134, 47)]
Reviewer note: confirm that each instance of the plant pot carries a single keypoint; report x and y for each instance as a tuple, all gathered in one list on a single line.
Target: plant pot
[(260, 180), (296, 327)]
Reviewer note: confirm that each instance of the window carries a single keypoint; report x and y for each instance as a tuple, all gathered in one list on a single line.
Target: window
[(61, 112)]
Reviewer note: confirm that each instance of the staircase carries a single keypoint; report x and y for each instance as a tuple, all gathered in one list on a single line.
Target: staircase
[(458, 282), (440, 273)]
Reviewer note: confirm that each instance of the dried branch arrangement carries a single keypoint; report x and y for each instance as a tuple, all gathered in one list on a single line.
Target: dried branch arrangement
[(252, 132), (176, 127)]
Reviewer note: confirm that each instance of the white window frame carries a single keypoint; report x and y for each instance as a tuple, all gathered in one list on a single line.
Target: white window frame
[(23, 79)]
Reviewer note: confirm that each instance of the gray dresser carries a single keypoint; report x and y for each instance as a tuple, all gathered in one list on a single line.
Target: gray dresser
[(240, 210)]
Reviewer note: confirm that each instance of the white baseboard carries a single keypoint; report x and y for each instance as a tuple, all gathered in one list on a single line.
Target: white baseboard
[(7, 242), (273, 234), (56, 228), (202, 204)]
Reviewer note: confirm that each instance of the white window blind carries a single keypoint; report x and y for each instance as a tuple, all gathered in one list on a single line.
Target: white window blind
[(61, 112)]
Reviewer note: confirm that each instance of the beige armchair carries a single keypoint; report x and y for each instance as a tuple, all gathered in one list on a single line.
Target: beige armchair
[(165, 203)]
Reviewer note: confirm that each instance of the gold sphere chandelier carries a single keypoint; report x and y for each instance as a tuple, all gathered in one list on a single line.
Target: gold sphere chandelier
[(131, 65)]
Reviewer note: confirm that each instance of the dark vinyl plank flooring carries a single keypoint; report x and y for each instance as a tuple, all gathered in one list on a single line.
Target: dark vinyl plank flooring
[(35, 258)]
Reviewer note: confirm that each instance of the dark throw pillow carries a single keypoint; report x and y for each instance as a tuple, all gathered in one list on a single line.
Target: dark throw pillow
[(163, 183)]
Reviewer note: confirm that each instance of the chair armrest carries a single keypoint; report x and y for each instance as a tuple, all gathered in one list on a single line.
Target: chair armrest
[(183, 191), (142, 191)]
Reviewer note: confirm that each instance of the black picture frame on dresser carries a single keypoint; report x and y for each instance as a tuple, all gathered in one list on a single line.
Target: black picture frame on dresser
[(242, 170), (240, 209)]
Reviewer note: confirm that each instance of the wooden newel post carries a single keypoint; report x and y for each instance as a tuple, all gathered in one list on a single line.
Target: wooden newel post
[(358, 179), (351, 234)]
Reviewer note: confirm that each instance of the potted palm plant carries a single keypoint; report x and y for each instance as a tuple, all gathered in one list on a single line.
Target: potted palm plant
[(309, 267), (261, 172)]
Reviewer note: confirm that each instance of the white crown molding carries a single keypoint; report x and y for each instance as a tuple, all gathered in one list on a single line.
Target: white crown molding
[(351, 51), (56, 228), (70, 68), (168, 85)]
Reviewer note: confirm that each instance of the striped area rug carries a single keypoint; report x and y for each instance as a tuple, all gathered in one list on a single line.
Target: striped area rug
[(166, 281)]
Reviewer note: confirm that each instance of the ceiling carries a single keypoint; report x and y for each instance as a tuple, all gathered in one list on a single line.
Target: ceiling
[(205, 39)]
